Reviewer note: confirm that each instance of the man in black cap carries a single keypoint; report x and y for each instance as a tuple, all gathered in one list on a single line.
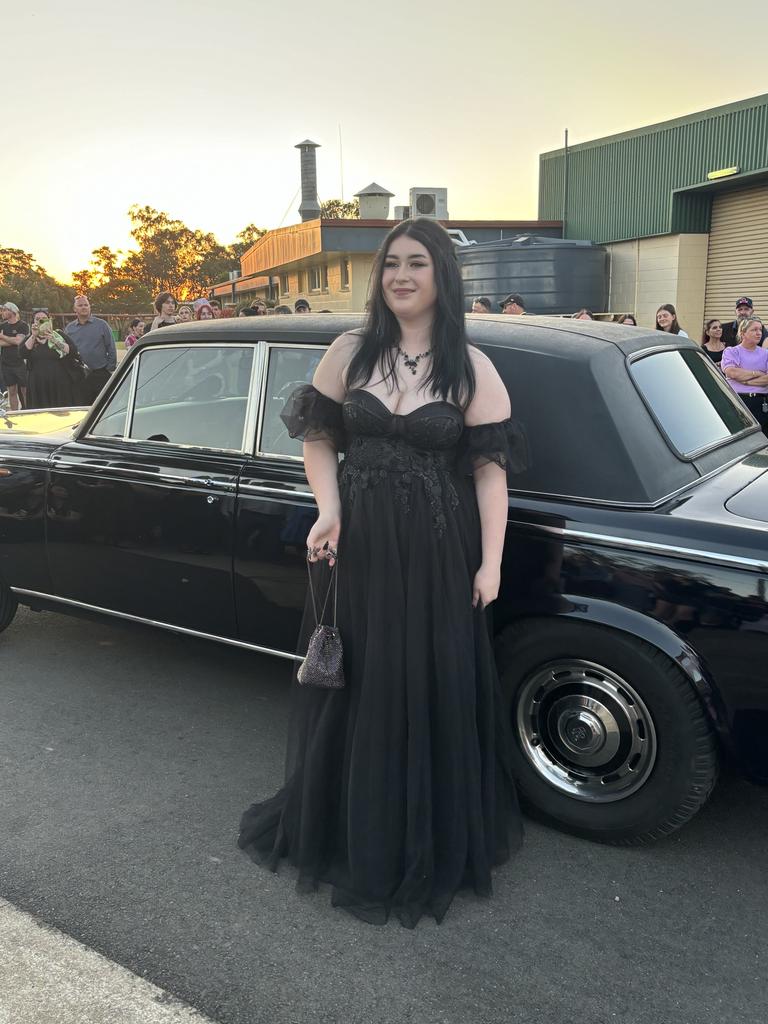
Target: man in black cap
[(302, 306), (513, 305), (744, 310)]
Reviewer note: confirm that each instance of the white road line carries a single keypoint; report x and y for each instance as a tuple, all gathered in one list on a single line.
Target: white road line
[(47, 977)]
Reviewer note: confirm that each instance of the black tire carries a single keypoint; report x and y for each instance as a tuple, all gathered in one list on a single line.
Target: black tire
[(578, 693), (8, 606)]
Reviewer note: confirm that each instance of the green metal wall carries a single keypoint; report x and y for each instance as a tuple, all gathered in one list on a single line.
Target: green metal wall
[(622, 187)]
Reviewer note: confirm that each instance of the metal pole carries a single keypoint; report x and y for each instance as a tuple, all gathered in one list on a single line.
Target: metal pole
[(341, 164), (565, 187)]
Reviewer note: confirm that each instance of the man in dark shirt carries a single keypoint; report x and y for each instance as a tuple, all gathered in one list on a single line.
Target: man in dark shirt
[(94, 341), (744, 310), (13, 333)]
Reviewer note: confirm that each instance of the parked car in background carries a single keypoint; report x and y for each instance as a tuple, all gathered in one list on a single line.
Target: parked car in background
[(632, 625)]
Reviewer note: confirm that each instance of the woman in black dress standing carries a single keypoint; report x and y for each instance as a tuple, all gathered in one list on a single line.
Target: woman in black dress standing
[(55, 372), (712, 340), (398, 788)]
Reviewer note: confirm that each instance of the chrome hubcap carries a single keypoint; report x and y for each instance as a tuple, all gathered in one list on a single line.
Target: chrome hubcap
[(585, 730)]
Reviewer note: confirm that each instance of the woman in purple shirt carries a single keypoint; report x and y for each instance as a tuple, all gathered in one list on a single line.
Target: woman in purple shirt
[(746, 367)]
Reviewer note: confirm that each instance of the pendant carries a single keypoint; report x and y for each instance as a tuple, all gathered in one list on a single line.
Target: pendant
[(412, 362)]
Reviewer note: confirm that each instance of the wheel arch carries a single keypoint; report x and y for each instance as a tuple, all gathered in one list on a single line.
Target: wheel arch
[(620, 619)]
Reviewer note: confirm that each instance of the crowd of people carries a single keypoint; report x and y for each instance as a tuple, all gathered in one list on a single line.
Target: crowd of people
[(42, 368)]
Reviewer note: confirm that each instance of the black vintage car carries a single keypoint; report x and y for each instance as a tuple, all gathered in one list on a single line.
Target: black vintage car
[(632, 627)]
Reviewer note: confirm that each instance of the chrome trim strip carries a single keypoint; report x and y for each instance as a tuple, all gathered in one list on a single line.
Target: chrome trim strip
[(254, 399), (131, 398), (26, 457), (652, 547), (204, 483), (283, 492), (160, 625)]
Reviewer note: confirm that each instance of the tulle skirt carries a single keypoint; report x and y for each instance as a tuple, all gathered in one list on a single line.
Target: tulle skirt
[(398, 789)]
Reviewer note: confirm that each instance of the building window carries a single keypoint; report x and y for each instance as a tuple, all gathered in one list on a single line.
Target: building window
[(324, 277), (345, 274), (314, 279), (284, 284)]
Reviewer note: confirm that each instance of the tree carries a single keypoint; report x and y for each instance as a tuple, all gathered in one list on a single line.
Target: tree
[(26, 283), (244, 240), (337, 209), (121, 295)]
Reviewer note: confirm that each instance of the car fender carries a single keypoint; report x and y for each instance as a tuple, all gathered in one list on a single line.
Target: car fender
[(626, 620)]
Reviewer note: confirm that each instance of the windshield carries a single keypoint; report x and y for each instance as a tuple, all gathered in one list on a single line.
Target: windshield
[(690, 399)]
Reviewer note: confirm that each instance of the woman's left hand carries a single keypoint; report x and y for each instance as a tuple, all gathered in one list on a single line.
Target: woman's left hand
[(486, 586)]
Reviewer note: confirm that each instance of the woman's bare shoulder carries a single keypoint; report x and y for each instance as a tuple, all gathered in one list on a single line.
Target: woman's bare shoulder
[(330, 375), (491, 401)]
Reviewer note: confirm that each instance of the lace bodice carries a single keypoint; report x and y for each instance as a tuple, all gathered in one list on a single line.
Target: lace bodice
[(436, 425)]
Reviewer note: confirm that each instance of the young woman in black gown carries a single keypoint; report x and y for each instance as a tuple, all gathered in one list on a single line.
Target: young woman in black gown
[(398, 788)]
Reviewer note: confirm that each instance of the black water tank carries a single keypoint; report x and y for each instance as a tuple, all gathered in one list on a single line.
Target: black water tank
[(554, 275)]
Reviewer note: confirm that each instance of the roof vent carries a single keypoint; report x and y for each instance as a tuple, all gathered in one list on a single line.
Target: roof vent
[(374, 202)]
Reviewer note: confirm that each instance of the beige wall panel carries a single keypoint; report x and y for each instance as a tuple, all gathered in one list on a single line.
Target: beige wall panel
[(359, 272), (623, 256), (649, 272)]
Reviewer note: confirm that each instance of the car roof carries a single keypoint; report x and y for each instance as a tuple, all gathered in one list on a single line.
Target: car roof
[(578, 339)]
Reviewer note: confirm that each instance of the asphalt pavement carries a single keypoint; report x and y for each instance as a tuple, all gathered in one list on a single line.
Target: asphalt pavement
[(126, 758)]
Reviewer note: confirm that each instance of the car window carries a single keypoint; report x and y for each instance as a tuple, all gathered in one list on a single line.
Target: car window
[(689, 398), (112, 421), (287, 368), (193, 396)]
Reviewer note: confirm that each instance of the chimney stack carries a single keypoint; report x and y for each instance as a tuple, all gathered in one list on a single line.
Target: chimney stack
[(310, 207)]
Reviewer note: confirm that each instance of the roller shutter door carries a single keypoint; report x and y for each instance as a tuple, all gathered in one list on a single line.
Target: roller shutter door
[(737, 263)]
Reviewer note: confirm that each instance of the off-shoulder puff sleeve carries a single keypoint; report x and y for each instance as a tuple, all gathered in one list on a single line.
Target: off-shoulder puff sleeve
[(313, 416), (504, 443)]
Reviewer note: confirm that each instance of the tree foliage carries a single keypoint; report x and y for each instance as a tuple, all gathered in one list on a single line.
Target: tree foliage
[(337, 209), (168, 256), (25, 282), (244, 240)]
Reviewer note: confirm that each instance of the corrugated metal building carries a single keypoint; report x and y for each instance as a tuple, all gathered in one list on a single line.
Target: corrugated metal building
[(682, 206)]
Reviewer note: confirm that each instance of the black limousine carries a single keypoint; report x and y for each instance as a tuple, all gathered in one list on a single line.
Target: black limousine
[(632, 626)]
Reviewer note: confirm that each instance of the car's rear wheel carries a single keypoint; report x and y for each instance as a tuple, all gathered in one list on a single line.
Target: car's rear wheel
[(610, 740), (8, 607)]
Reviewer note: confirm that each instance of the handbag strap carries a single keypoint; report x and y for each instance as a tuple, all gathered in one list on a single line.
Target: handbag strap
[(333, 584)]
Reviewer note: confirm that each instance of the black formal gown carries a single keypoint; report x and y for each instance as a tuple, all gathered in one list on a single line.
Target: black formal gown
[(52, 382), (398, 788)]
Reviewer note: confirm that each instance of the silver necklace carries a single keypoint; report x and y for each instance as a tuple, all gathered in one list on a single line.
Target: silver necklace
[(412, 362)]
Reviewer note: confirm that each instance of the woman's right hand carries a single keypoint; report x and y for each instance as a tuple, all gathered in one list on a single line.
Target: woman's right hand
[(323, 538)]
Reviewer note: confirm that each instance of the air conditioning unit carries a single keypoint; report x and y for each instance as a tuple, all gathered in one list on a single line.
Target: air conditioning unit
[(429, 202), (233, 275), (402, 212)]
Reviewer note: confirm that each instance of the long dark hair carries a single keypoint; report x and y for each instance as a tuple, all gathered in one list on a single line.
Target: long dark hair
[(674, 327), (707, 326), (451, 375)]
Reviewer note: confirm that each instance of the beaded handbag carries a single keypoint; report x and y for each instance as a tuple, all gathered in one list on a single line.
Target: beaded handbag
[(323, 665)]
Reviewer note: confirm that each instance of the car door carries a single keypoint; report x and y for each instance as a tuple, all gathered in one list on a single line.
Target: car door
[(275, 511), (140, 511)]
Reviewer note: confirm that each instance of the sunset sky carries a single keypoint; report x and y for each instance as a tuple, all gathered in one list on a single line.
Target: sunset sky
[(195, 108)]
